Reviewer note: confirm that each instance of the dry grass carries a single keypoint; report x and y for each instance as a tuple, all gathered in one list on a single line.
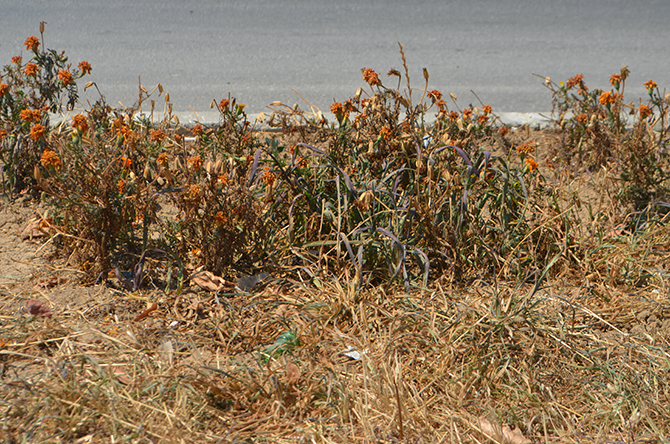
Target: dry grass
[(562, 364)]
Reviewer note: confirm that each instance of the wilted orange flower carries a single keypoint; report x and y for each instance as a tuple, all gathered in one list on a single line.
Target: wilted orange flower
[(645, 111), (84, 67), (453, 115), (3, 89), (530, 162), (26, 115), (195, 162), (582, 118), (487, 109), (65, 76), (193, 192), (482, 119), (337, 109), (467, 113), (268, 177), (223, 179), (162, 159), (224, 104), (441, 104), (157, 136), (50, 159), (393, 72), (434, 95), (220, 218), (37, 131), (17, 60), (385, 132), (197, 129), (576, 80), (650, 84), (371, 77), (525, 149), (32, 43), (126, 162), (31, 69), (615, 80), (80, 123)]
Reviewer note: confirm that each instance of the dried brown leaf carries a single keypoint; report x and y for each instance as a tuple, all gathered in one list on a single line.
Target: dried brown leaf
[(37, 308), (502, 434), (292, 372), (209, 281)]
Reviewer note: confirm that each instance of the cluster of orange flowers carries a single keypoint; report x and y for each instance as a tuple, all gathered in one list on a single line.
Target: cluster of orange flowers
[(608, 98), (371, 77), (37, 131), (65, 77), (50, 159), (80, 123), (29, 115), (162, 159), (195, 162), (32, 43)]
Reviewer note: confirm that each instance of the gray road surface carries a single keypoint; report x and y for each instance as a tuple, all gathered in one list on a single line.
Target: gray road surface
[(259, 50)]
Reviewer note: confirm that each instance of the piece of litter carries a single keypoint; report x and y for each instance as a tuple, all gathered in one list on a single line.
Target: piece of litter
[(354, 354)]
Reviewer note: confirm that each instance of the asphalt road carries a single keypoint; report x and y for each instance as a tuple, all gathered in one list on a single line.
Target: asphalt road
[(259, 50)]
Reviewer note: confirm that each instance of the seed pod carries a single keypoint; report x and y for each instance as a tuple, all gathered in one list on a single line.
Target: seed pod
[(38, 174), (147, 172), (208, 167)]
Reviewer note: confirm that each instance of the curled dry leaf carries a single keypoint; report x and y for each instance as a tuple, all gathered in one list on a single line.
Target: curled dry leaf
[(292, 372), (502, 434), (209, 281), (37, 308), (146, 312), (37, 228)]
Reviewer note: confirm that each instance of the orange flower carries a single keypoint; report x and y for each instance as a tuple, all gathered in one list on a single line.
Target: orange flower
[(268, 177), (162, 159), (50, 159), (453, 115), (615, 80), (582, 118), (224, 105), (645, 111), (32, 43), (84, 67), (157, 136), (503, 131), (197, 130), (3, 134), (606, 98), (530, 162), (193, 192), (31, 69), (385, 132), (195, 162), (467, 113), (371, 77), (65, 76), (487, 109), (576, 80), (482, 119), (223, 179), (17, 60), (26, 115), (3, 89), (525, 149), (80, 123), (121, 186), (434, 95), (37, 131), (649, 85), (37, 115), (220, 218), (126, 162)]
